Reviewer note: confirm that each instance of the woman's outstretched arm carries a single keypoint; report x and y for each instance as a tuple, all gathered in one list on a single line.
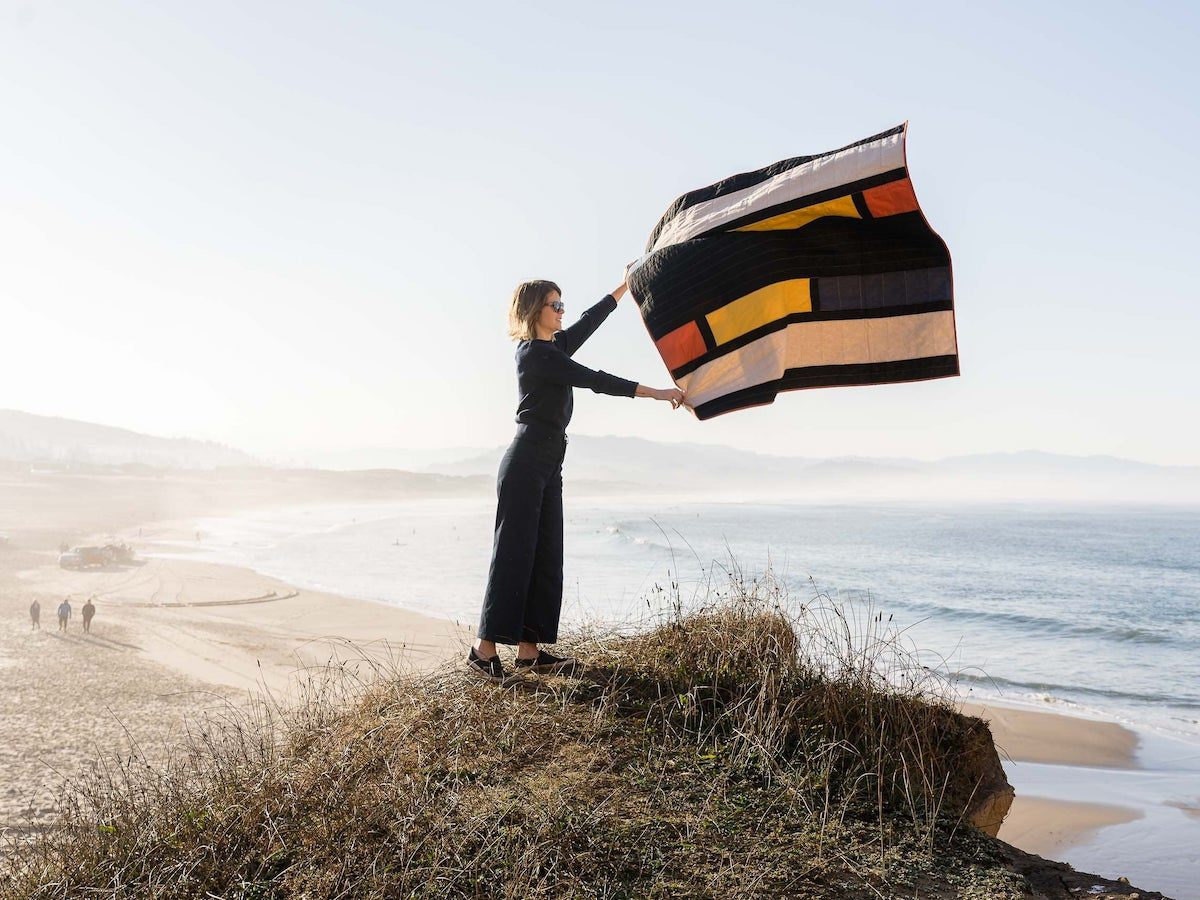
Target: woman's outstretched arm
[(571, 339), (554, 365), (551, 363)]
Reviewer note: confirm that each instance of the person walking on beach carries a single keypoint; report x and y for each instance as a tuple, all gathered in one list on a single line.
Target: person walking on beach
[(35, 616), (89, 610), (525, 578), (64, 613)]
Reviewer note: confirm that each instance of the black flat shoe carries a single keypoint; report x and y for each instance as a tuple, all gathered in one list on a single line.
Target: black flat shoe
[(549, 664), (488, 669)]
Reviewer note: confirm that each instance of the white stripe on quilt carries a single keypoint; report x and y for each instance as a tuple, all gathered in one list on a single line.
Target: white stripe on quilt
[(838, 342)]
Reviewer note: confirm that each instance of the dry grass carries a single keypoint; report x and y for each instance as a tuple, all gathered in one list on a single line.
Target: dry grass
[(746, 748)]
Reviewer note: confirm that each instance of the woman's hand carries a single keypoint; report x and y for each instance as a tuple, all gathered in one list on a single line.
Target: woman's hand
[(619, 292), (674, 396)]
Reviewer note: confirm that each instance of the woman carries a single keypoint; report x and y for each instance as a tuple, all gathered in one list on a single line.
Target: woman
[(524, 592)]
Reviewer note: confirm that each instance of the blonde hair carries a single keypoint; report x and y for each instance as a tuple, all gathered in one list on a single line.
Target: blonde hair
[(527, 302)]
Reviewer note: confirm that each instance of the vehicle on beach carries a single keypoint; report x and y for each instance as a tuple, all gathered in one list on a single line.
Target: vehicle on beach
[(121, 554), (97, 557)]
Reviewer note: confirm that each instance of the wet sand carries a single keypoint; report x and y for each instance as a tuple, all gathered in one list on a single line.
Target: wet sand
[(1047, 826)]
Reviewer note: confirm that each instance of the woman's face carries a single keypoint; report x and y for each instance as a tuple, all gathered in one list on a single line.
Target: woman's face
[(549, 320)]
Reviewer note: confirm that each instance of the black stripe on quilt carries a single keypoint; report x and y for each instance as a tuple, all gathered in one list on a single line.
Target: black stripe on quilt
[(831, 376), (707, 273), (706, 332)]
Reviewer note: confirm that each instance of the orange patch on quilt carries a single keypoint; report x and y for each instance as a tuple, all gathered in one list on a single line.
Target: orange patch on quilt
[(681, 346), (891, 199)]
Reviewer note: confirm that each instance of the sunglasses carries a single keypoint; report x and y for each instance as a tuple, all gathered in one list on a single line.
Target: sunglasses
[(558, 306)]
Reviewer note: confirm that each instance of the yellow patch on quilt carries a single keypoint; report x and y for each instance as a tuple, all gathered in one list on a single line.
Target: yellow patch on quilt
[(798, 218), (760, 307)]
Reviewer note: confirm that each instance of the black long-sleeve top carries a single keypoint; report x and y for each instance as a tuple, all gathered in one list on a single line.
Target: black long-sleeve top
[(546, 373)]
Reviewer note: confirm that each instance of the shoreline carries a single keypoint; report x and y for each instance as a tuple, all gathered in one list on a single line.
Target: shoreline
[(360, 568)]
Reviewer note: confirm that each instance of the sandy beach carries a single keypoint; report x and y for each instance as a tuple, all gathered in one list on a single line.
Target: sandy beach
[(147, 664), (171, 639), (175, 636)]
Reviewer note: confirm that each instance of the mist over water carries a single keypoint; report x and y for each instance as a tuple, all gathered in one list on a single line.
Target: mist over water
[(1086, 608)]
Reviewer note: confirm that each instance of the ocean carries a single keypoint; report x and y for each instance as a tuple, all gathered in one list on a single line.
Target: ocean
[(1084, 609)]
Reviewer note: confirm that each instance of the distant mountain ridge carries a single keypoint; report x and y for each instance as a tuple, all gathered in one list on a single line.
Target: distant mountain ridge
[(25, 437), (599, 464), (711, 469)]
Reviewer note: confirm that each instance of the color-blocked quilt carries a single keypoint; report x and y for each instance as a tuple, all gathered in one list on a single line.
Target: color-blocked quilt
[(813, 272)]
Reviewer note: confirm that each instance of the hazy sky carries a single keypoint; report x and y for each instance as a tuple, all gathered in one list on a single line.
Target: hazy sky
[(296, 226)]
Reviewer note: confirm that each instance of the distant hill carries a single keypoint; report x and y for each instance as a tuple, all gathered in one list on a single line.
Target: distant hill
[(704, 469), (639, 460), (611, 464), (384, 458), (25, 437), (1033, 474)]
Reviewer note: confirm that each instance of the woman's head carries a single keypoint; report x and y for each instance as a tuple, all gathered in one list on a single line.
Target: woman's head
[(531, 307)]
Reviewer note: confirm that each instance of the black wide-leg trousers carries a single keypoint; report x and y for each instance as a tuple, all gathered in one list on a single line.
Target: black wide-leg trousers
[(525, 580)]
